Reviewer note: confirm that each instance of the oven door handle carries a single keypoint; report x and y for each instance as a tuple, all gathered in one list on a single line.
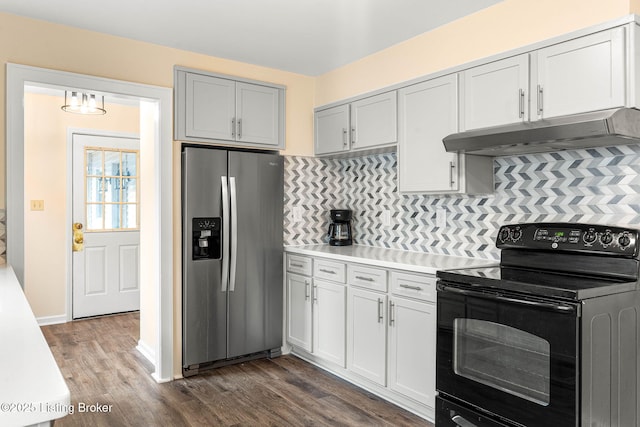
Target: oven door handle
[(461, 422), (553, 306)]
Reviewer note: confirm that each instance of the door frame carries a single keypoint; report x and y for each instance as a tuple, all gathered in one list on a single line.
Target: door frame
[(69, 214), (156, 98)]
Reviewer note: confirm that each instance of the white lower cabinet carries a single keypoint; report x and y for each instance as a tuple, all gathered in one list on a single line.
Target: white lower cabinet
[(299, 311), (329, 301), (412, 354), (367, 334), (373, 326)]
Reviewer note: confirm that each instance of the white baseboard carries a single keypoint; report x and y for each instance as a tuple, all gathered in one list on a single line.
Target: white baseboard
[(147, 352), (51, 320)]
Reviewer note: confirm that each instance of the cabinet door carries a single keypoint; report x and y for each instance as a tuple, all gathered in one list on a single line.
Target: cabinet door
[(585, 74), (257, 114), (332, 130), (210, 108), (427, 113), (299, 311), (367, 334), (329, 321), (374, 121), (495, 94), (412, 354)]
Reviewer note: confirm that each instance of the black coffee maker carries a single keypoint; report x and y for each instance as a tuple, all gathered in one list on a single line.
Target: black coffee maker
[(340, 227)]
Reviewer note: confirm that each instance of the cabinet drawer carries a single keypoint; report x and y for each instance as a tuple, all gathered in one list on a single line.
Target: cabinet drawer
[(367, 277), (329, 270), (299, 264), (414, 286)]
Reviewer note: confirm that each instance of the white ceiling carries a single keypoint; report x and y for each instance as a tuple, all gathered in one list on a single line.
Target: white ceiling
[(308, 37)]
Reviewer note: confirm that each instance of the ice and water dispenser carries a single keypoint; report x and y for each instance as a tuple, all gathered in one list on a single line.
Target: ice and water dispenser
[(206, 238)]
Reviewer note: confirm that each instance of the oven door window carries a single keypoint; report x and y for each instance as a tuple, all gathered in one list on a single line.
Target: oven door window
[(502, 357)]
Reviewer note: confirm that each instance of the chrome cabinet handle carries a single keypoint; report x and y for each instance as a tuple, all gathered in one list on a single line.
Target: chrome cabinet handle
[(344, 137), (540, 100), (391, 318), (521, 104), (233, 128), (452, 166), (315, 293), (239, 128), (366, 279), (353, 136), (306, 290), (380, 310), (225, 233), (415, 288), (327, 271)]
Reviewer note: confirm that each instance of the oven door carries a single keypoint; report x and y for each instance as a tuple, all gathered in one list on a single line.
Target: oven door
[(513, 357)]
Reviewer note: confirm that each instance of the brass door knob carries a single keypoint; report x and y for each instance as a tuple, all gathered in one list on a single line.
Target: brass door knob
[(78, 237)]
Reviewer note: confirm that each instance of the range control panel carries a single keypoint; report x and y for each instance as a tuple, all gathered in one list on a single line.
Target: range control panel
[(586, 238)]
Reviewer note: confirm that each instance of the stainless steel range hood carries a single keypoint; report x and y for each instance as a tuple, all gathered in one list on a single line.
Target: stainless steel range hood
[(597, 129)]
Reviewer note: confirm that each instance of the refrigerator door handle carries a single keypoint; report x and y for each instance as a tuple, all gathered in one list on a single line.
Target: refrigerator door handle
[(225, 233), (234, 234)]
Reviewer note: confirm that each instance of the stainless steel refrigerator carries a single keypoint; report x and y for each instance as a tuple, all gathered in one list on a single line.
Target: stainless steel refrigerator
[(232, 211)]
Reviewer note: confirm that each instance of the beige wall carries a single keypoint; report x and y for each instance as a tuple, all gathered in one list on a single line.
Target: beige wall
[(46, 171), (502, 27)]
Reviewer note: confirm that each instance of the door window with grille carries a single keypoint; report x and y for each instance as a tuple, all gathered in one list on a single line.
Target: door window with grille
[(111, 183)]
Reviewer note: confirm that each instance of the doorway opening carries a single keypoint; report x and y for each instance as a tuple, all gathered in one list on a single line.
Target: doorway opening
[(156, 234)]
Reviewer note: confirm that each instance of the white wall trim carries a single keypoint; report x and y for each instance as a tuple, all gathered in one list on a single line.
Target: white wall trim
[(51, 320), (20, 75), (147, 351)]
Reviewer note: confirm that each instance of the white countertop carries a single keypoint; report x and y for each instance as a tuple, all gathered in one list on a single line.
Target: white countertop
[(32, 389), (419, 262)]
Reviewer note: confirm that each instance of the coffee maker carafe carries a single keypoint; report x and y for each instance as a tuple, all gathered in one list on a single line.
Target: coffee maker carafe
[(340, 227)]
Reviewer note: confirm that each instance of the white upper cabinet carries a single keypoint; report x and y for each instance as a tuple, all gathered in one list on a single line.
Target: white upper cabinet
[(495, 94), (210, 107), (581, 75), (332, 130), (220, 109), (257, 114), (369, 123), (427, 112), (373, 121), (588, 73)]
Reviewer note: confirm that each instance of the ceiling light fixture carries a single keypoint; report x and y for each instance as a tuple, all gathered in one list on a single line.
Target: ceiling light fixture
[(82, 103)]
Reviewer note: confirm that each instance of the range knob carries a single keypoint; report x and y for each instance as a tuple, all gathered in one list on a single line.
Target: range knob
[(504, 235), (606, 238), (589, 237), (516, 234), (624, 241)]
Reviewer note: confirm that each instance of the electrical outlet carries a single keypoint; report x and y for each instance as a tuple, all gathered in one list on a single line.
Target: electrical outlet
[(441, 217), (37, 205), (296, 212), (386, 218)]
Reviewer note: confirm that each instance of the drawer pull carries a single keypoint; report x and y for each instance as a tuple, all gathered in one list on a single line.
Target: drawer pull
[(295, 264), (366, 279), (327, 271), (415, 288)]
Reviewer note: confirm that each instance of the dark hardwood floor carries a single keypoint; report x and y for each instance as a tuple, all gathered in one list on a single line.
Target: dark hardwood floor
[(101, 366)]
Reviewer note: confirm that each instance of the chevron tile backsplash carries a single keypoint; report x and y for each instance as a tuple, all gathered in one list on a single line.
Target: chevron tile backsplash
[(599, 185)]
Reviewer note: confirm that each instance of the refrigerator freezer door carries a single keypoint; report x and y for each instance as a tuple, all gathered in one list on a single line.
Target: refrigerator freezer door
[(255, 305), (204, 309)]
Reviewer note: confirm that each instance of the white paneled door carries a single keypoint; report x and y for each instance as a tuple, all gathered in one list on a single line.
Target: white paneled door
[(106, 225)]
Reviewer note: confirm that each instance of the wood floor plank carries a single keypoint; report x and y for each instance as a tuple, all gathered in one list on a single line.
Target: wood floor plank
[(98, 359)]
